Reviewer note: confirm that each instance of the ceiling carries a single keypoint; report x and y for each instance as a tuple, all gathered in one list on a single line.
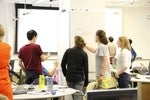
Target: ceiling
[(108, 3), (127, 3)]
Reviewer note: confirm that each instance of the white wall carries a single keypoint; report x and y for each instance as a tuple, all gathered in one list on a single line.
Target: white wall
[(137, 27), (113, 24), (7, 14), (86, 17), (63, 39)]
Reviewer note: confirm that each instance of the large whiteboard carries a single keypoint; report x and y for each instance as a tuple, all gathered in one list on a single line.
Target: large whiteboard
[(44, 22)]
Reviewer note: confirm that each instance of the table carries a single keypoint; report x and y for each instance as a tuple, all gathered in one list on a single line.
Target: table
[(143, 86), (61, 91)]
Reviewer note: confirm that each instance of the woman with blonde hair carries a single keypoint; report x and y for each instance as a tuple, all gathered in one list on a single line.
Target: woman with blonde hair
[(5, 82), (124, 62)]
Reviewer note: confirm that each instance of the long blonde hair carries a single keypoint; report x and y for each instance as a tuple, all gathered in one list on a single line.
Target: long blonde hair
[(124, 43)]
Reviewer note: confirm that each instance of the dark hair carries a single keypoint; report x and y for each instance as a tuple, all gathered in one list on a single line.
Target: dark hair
[(31, 34), (79, 42), (130, 41), (102, 36), (111, 39)]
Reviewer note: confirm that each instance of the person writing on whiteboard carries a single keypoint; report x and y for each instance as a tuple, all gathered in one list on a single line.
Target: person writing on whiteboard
[(30, 57), (5, 83), (123, 63), (75, 66), (103, 74)]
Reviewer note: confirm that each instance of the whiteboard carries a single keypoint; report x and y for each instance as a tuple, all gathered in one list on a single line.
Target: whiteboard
[(44, 22)]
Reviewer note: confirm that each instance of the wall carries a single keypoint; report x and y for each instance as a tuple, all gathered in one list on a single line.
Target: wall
[(86, 17), (113, 24), (7, 14), (136, 26)]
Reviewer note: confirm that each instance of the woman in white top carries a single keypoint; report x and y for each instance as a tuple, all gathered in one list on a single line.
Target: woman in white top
[(124, 63)]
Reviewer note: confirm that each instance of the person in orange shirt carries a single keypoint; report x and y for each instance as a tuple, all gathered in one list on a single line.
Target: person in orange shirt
[(5, 83)]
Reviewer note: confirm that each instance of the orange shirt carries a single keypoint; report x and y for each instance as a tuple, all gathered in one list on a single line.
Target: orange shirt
[(5, 83)]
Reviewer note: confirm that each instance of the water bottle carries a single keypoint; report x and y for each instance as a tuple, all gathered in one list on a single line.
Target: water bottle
[(41, 82), (49, 83)]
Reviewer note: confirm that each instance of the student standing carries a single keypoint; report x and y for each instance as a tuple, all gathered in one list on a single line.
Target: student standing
[(30, 57), (124, 62), (5, 83), (75, 66), (103, 73), (112, 49), (133, 53)]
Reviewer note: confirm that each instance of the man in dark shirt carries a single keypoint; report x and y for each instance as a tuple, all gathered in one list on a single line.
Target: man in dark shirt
[(75, 66), (30, 57)]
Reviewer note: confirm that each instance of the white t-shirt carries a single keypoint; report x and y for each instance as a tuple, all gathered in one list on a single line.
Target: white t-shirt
[(101, 51), (124, 60)]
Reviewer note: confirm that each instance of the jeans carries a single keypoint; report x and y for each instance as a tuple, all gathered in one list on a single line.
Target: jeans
[(31, 76), (124, 80), (77, 86)]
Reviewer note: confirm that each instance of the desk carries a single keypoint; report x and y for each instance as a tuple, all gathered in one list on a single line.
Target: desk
[(143, 86), (59, 93)]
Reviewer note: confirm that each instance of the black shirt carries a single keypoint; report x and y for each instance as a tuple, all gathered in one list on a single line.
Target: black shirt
[(75, 65)]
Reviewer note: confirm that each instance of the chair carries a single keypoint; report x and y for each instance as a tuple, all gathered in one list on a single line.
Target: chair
[(15, 77), (93, 86), (3, 97)]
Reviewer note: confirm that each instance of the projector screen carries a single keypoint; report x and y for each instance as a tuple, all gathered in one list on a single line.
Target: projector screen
[(44, 22)]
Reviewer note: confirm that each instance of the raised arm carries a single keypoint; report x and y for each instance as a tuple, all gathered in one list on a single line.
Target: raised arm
[(52, 71), (90, 49)]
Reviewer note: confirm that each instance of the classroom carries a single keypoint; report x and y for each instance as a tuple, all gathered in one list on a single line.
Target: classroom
[(64, 19)]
